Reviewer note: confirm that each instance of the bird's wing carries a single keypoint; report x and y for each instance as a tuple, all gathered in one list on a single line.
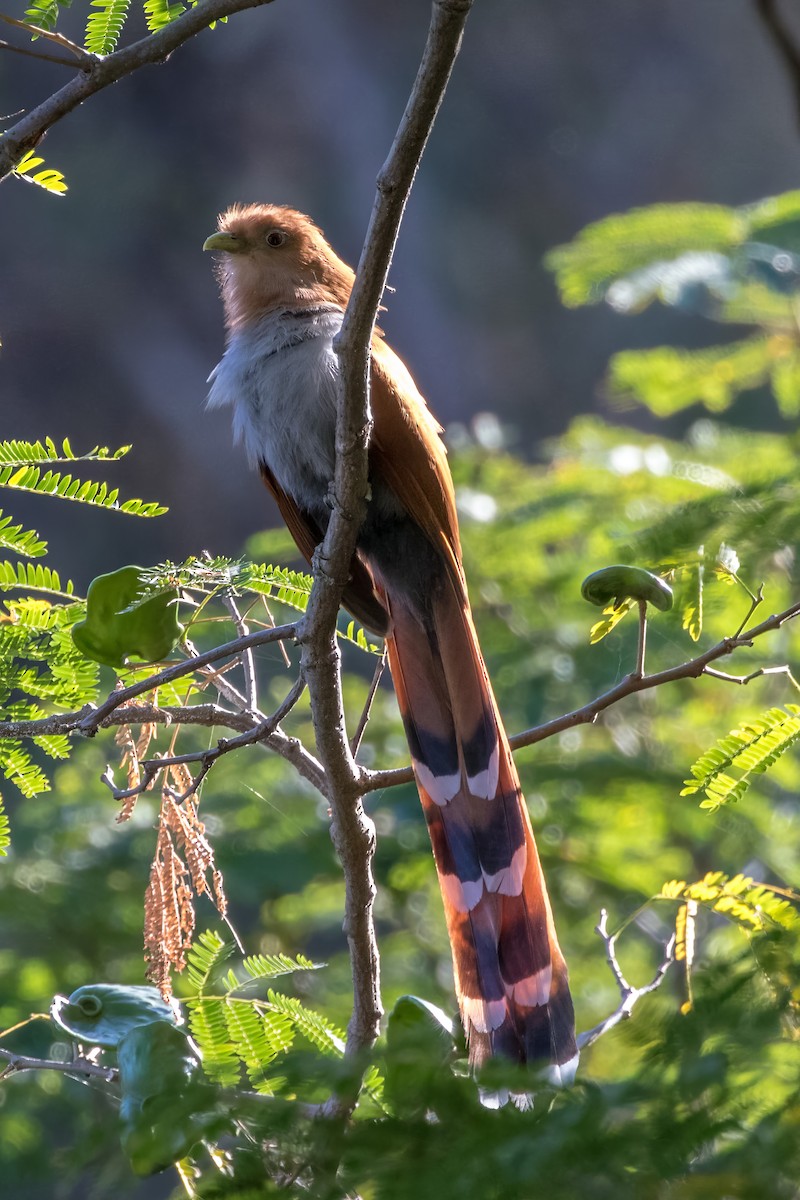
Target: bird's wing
[(407, 452), (359, 596)]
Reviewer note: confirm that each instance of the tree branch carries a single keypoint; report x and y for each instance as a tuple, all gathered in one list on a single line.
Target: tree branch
[(111, 714), (16, 1063), (778, 33), (259, 732), (98, 73), (94, 718), (693, 668), (248, 664), (352, 831), (61, 59), (630, 996), (355, 740), (83, 57)]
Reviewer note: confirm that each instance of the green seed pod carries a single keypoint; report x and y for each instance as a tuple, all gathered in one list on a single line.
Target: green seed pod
[(101, 1014), (613, 585), (111, 635)]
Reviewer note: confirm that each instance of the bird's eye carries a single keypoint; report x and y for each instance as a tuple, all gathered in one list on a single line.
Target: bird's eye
[(276, 237)]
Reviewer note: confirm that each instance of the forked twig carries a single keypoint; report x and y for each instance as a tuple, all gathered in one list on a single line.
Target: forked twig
[(630, 995)]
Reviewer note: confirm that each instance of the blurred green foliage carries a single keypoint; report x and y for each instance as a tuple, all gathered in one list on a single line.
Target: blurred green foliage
[(713, 1091), (698, 1096), (737, 266)]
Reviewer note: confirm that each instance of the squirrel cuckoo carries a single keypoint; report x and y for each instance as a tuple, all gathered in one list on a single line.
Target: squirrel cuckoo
[(284, 291)]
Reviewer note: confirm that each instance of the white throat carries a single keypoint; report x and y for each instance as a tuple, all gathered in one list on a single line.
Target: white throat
[(280, 376)]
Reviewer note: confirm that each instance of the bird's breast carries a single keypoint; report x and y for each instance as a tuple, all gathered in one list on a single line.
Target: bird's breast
[(280, 379)]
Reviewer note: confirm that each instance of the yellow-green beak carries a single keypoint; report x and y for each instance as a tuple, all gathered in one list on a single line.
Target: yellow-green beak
[(223, 241)]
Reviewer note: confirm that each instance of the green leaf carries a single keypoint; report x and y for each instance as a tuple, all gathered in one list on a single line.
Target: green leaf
[(310, 1024), (45, 13), (612, 615), (19, 540), (667, 380), (116, 627), (32, 453), (689, 592), (214, 576), (29, 478), (269, 966), (159, 13), (18, 767), (775, 220), (420, 1042), (751, 750), (695, 282), (786, 383), (5, 830), (35, 578), (51, 180), (612, 585), (210, 1030), (103, 28), (754, 906), (205, 959)]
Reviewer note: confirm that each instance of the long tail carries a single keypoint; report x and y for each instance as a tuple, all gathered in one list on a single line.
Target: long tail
[(511, 978)]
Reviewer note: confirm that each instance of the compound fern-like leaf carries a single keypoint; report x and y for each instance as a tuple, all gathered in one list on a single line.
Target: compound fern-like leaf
[(104, 27), (749, 750)]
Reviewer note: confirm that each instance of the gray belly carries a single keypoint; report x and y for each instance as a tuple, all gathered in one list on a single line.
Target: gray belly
[(284, 411)]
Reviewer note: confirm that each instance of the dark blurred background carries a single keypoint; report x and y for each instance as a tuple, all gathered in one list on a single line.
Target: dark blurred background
[(556, 115)]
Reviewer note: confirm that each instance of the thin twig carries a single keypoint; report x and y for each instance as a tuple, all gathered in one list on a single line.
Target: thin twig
[(261, 637), (355, 741), (755, 601), (83, 57), (371, 781), (630, 996), (151, 767), (745, 679), (26, 50), (248, 665), (642, 643)]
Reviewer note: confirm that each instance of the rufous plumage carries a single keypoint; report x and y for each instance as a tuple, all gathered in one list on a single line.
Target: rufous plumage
[(285, 291)]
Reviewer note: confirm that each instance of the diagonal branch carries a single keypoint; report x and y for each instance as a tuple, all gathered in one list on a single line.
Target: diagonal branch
[(693, 668), (101, 72), (61, 59), (248, 665), (777, 31), (94, 718), (79, 55)]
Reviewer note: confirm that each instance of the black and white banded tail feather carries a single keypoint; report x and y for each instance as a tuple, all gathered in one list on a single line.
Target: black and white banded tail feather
[(510, 974)]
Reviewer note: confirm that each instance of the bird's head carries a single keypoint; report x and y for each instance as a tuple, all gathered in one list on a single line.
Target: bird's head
[(274, 258)]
